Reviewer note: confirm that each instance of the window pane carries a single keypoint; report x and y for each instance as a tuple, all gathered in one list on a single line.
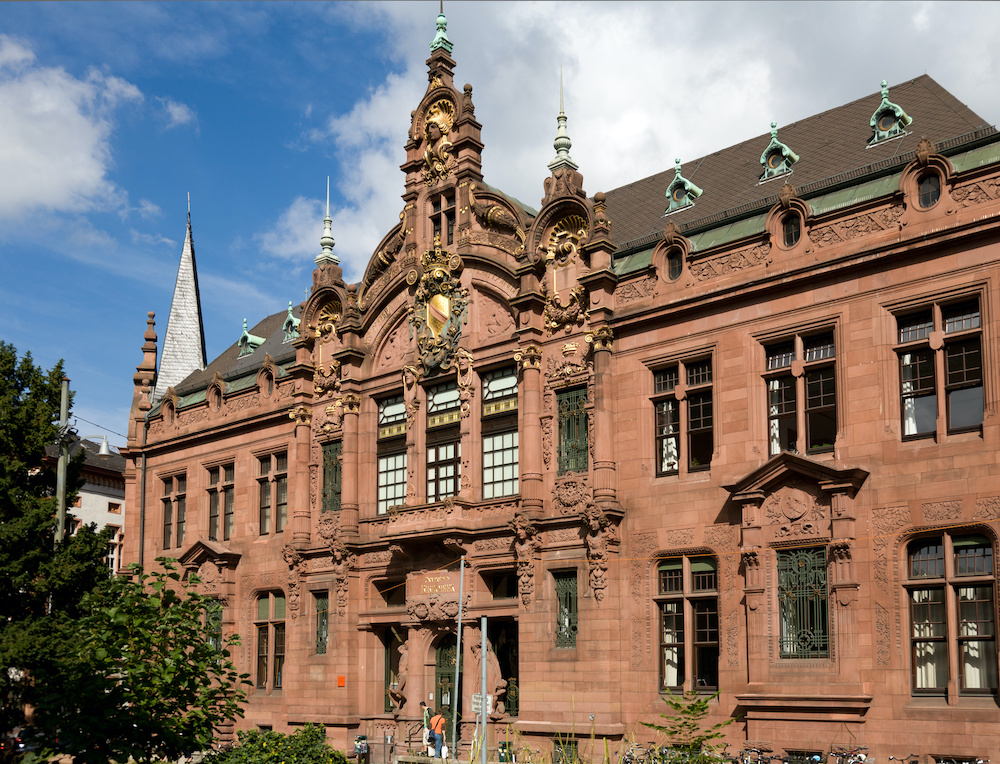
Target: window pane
[(930, 665), (279, 653), (263, 608), (780, 356), (322, 622), (919, 401), (915, 326), (819, 347), (973, 556), (262, 655), (279, 606), (567, 614), (703, 574), (927, 558), (672, 643), (500, 465), (700, 441), (961, 316), (699, 373), (667, 435), (782, 430), (665, 380), (671, 576)]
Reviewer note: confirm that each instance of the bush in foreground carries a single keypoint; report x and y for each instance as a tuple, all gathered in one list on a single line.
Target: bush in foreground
[(306, 746)]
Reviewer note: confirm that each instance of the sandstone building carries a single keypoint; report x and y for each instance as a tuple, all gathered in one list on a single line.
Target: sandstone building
[(731, 427)]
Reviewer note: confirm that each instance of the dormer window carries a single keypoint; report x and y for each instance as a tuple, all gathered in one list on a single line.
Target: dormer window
[(889, 120), (248, 342), (291, 326), (929, 188), (443, 217), (777, 158), (681, 192)]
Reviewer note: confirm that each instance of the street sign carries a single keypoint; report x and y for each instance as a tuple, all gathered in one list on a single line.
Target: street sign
[(477, 703)]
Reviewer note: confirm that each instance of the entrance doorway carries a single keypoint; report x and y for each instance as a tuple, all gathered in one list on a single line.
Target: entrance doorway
[(444, 678)]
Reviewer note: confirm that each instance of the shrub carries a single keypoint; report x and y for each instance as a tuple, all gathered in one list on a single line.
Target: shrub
[(306, 746)]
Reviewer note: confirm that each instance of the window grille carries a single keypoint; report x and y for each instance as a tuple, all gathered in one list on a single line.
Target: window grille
[(566, 618), (572, 422), (803, 603)]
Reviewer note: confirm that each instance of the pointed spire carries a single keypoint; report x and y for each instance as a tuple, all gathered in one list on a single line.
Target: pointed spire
[(441, 38), (562, 143), (326, 240), (184, 341)]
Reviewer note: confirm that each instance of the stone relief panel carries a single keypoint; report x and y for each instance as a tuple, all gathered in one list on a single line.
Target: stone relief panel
[(641, 546), (633, 291), (988, 508), (979, 192), (937, 511), (886, 522), (797, 509), (495, 320), (857, 226), (732, 262)]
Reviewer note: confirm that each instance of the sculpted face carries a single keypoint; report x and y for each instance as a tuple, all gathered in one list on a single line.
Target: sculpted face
[(433, 132)]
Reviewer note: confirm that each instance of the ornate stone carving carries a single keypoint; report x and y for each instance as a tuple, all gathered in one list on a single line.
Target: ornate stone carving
[(731, 263), (679, 537), (602, 338), (438, 161), (641, 545), (988, 508), (572, 495), (936, 511), (639, 289), (495, 216), (977, 193), (327, 319), (558, 315), (796, 510), (436, 608), (295, 568), (526, 546), (886, 521), (529, 357), (326, 379), (343, 562), (733, 639), (439, 309), (495, 320), (882, 635), (857, 226), (300, 414), (598, 533), (565, 239), (466, 386)]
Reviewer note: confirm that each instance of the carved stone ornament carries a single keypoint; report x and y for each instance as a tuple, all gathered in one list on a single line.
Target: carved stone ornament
[(495, 216), (558, 315), (794, 511), (439, 309), (528, 357), (565, 240), (300, 414), (572, 496), (438, 160), (326, 379), (601, 338), (526, 546), (598, 533)]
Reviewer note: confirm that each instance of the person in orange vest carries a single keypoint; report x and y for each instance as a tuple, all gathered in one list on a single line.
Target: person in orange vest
[(437, 732)]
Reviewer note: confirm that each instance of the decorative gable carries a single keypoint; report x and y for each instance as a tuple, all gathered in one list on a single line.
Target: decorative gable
[(889, 120), (291, 325), (777, 158), (681, 192), (248, 342)]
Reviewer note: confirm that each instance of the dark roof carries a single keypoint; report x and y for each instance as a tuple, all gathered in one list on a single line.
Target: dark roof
[(231, 366), (91, 461), (829, 146)]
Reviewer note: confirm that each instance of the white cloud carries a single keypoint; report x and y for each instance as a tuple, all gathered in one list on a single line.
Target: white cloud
[(55, 136), (295, 234), (148, 210), (176, 113)]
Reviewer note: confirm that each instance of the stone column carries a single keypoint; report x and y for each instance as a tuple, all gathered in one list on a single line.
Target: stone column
[(604, 436), (529, 360), (349, 465), (302, 416)]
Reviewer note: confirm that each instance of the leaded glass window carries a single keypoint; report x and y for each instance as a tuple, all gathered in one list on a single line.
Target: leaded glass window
[(566, 616), (803, 603), (332, 475), (572, 416)]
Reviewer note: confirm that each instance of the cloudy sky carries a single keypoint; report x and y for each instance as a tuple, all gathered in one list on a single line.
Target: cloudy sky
[(111, 113)]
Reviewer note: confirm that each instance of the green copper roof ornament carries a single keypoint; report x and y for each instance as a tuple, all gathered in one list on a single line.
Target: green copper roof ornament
[(441, 38), (777, 158), (562, 143), (248, 342), (291, 325), (326, 240), (889, 120), (681, 192)]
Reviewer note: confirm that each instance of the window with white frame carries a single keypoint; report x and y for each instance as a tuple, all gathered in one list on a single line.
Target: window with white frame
[(391, 453), (270, 626), (801, 398), (500, 441), (950, 582), (683, 416), (940, 368), (688, 604), (272, 491)]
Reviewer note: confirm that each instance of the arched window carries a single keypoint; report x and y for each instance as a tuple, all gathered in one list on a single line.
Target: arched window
[(675, 264), (949, 580), (929, 189), (791, 229), (688, 602)]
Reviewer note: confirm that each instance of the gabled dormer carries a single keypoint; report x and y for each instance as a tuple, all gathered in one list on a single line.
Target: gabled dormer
[(889, 120), (248, 342), (777, 158), (681, 192), (291, 325)]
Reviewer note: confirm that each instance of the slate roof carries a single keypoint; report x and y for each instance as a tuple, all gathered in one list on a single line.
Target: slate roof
[(114, 463), (232, 367), (833, 148)]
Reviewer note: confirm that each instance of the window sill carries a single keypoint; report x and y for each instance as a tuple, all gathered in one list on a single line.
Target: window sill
[(970, 708)]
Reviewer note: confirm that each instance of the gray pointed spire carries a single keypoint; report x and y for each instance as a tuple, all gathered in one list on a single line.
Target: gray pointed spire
[(184, 341), (326, 241), (562, 143)]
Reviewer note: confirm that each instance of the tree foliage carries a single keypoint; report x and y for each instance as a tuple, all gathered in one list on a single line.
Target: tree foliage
[(685, 727), (306, 746), (156, 680), (42, 586)]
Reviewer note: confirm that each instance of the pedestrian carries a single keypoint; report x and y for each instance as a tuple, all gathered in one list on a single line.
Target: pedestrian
[(437, 732), (425, 715)]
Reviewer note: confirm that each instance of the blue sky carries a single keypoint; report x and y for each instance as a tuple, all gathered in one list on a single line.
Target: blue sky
[(110, 113)]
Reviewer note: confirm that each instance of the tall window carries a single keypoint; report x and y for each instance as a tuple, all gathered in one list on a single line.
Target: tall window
[(391, 453), (500, 454), (691, 445), (803, 603), (392, 640), (941, 380), (952, 613), (332, 475), (174, 509), (321, 603), (444, 441), (270, 624), (689, 623), (801, 404), (272, 491), (566, 612), (220, 501), (572, 418), (443, 217), (115, 549)]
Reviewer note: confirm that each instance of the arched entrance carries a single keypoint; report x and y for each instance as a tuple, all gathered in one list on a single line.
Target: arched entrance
[(444, 678)]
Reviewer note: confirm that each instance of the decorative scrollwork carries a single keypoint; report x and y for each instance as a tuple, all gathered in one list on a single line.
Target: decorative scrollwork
[(439, 309)]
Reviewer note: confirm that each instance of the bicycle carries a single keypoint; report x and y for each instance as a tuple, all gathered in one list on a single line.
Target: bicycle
[(855, 755)]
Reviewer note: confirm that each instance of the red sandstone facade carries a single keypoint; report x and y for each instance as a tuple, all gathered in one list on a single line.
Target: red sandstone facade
[(749, 447)]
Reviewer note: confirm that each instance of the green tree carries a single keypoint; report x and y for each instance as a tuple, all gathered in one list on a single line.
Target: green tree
[(154, 680), (41, 587), (685, 727), (306, 746)]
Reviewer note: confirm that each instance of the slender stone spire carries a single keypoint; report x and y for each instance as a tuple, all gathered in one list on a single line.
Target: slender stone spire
[(184, 341), (441, 38), (562, 143), (326, 240)]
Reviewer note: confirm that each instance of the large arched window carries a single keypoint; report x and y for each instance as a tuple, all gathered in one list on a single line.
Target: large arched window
[(688, 602), (950, 582)]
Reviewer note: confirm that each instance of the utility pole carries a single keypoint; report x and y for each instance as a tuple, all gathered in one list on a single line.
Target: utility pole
[(63, 462)]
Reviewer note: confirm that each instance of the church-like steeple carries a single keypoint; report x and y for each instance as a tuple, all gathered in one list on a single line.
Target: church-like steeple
[(184, 341)]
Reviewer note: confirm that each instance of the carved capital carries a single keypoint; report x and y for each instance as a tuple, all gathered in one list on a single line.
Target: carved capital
[(300, 415), (601, 338), (529, 357)]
